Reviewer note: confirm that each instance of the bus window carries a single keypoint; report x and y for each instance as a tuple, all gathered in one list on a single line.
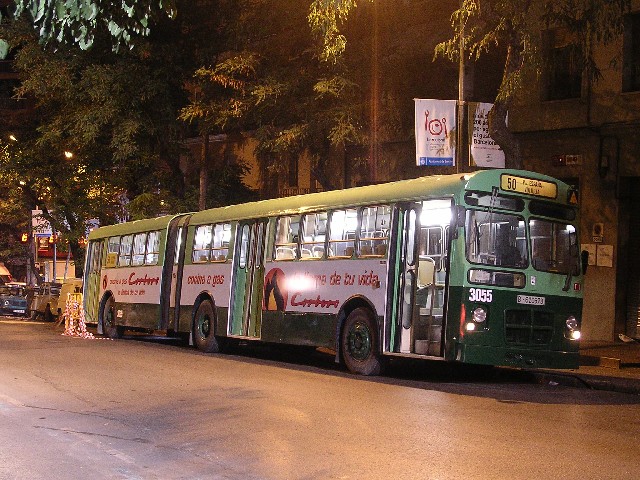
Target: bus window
[(244, 247), (176, 255), (113, 248), (96, 250), (139, 244), (220, 246), (434, 222), (153, 248), (496, 239), (374, 231), (124, 260), (202, 243), (313, 234), (431, 245), (342, 233), (286, 244), (553, 246)]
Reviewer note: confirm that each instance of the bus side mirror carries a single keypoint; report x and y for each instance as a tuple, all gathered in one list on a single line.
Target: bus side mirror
[(584, 257)]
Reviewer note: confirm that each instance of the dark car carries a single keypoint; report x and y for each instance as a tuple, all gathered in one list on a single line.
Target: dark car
[(13, 300)]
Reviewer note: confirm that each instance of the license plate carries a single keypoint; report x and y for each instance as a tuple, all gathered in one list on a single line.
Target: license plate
[(529, 300), (19, 311)]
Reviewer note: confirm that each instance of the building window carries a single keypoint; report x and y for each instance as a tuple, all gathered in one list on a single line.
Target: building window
[(565, 73), (631, 54)]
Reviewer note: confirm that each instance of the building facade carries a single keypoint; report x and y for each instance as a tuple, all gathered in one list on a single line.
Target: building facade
[(588, 134)]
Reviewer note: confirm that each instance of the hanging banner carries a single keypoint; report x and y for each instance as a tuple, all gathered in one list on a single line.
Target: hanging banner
[(435, 132), (483, 150)]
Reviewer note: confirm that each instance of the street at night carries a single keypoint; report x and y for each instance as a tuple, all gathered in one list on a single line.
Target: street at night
[(144, 408)]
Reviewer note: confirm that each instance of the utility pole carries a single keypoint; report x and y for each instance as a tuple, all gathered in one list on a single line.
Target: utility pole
[(461, 142)]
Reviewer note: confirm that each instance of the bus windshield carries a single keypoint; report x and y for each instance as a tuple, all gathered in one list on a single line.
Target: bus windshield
[(553, 246), (496, 239)]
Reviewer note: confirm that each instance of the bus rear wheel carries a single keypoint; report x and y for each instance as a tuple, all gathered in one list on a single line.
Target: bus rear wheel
[(109, 326), (204, 327), (359, 343)]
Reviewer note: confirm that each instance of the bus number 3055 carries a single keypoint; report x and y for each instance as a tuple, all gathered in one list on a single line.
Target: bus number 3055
[(480, 295)]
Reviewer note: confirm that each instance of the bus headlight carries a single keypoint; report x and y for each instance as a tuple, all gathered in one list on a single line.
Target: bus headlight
[(572, 332), (479, 314), (478, 319)]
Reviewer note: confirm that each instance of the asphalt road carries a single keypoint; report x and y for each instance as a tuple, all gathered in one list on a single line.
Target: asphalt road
[(154, 409)]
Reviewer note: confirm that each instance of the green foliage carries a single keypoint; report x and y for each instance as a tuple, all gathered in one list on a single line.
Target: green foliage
[(517, 28), (77, 21), (228, 188), (272, 83), (325, 18), (116, 113)]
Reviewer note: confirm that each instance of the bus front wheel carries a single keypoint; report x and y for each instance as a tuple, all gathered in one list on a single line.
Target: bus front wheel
[(359, 343), (109, 326), (204, 328)]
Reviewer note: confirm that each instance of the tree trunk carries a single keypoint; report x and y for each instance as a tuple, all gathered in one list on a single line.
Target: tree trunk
[(501, 134), (497, 117), (204, 172)]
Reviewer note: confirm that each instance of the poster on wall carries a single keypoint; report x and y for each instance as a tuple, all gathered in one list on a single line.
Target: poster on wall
[(483, 150), (435, 132)]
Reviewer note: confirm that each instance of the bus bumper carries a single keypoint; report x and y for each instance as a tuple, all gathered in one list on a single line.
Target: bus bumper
[(516, 357)]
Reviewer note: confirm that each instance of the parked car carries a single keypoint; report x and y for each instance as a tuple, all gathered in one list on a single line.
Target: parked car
[(50, 299), (13, 300), (5, 275)]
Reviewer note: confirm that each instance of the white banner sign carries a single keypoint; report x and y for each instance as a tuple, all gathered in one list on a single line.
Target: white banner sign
[(435, 132), (484, 151), (40, 224)]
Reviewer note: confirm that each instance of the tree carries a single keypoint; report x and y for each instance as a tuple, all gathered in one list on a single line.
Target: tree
[(116, 115), (513, 29), (15, 214), (517, 28), (271, 82), (78, 21)]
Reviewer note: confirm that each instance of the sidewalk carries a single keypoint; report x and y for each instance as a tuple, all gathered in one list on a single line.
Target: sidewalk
[(613, 366)]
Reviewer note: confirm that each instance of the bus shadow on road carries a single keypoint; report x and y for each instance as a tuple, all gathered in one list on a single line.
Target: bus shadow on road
[(505, 385)]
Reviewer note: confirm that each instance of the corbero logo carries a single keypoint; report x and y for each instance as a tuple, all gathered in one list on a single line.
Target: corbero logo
[(275, 291)]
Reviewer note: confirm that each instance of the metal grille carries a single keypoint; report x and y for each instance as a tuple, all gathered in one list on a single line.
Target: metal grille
[(526, 327)]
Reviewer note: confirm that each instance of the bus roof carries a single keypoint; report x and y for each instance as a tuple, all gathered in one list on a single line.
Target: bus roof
[(401, 190), (148, 224), (422, 187)]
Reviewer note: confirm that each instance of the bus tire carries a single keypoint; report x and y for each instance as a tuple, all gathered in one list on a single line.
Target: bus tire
[(359, 343), (204, 324), (109, 326)]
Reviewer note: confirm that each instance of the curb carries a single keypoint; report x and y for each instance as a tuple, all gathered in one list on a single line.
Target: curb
[(593, 382), (607, 362)]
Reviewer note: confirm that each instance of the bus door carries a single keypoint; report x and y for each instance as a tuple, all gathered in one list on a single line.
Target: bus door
[(93, 270), (168, 277), (177, 274), (248, 279), (402, 279)]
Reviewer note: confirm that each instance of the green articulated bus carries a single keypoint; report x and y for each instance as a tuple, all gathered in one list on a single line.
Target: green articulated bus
[(479, 268)]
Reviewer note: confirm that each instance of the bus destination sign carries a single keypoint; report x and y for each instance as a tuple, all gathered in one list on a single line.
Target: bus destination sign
[(528, 186)]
